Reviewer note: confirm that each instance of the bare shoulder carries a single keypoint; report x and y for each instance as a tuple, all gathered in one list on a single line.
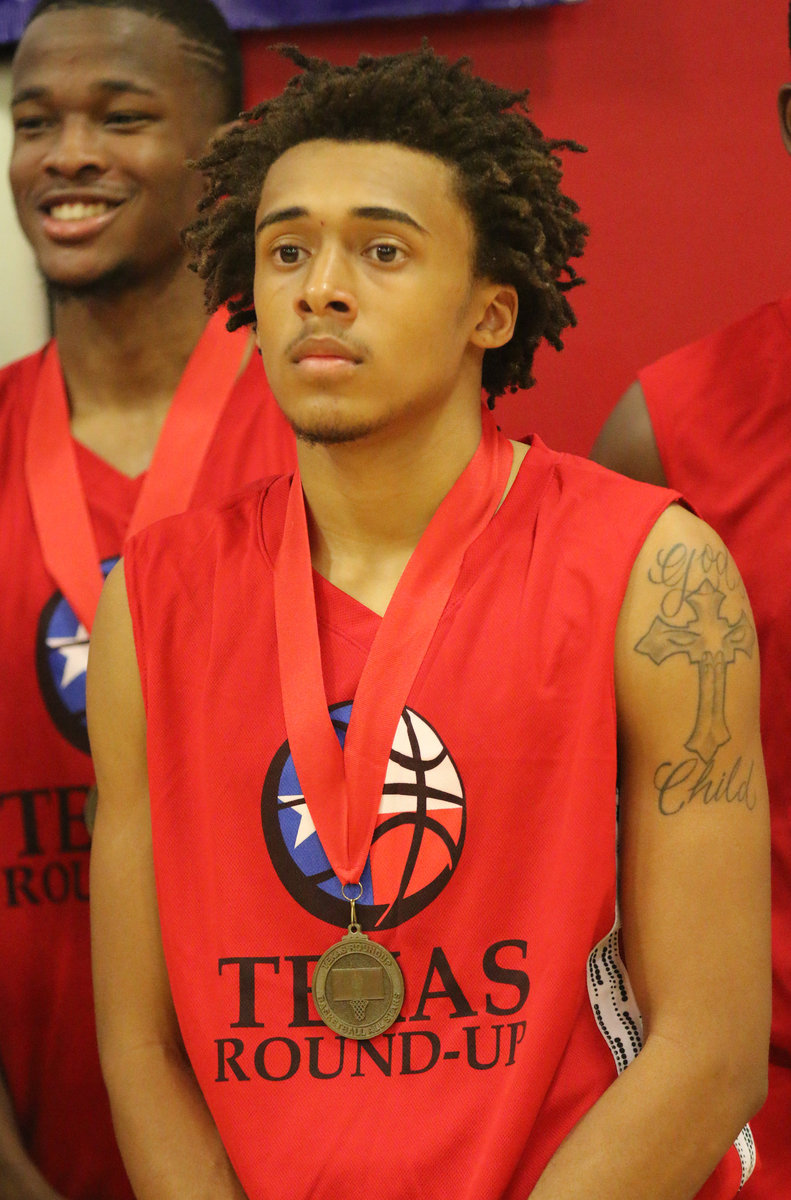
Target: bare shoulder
[(112, 663), (626, 442), (685, 568), (116, 716), (113, 621)]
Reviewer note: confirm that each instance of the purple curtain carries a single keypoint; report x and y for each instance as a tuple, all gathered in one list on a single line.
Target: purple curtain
[(270, 14)]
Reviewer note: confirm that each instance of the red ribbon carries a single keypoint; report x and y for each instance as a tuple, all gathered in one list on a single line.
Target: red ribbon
[(57, 498), (343, 786)]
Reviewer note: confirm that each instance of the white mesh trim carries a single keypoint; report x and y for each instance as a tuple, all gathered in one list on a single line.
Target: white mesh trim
[(613, 1002)]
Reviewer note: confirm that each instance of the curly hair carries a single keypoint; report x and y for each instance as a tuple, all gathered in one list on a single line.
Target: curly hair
[(209, 38), (507, 176)]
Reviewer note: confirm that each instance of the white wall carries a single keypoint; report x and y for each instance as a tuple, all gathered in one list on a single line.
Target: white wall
[(23, 308)]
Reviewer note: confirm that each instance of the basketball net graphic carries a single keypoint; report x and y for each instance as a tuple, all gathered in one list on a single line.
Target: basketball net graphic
[(357, 987)]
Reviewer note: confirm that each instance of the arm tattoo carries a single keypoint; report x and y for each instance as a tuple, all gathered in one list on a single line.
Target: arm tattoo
[(681, 570), (710, 642), (699, 582)]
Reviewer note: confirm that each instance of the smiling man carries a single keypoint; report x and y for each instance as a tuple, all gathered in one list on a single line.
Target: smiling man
[(137, 408), (359, 921)]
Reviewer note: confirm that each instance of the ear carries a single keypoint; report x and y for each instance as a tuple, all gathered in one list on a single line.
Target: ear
[(495, 327), (784, 109)]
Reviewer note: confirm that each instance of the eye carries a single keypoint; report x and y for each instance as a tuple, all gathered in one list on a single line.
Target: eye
[(127, 120), (386, 253), (30, 124), (288, 255)]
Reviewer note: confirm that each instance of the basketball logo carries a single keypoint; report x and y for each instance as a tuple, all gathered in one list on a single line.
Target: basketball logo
[(62, 643), (416, 844)]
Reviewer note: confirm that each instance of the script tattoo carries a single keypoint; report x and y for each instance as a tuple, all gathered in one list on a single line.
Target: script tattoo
[(710, 642), (681, 570), (679, 784)]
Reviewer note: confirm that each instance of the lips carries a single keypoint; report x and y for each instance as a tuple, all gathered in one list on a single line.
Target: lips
[(329, 349), (75, 218), (325, 361)]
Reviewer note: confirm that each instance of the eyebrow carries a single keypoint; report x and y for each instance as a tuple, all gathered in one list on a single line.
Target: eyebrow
[(116, 87), (367, 212)]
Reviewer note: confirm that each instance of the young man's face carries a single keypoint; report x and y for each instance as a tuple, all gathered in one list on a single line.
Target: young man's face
[(367, 310), (107, 108)]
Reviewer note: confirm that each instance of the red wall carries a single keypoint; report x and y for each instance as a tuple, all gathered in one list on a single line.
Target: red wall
[(684, 186)]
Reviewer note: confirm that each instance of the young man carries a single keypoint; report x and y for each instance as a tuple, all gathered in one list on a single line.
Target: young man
[(136, 409), (395, 968), (714, 420)]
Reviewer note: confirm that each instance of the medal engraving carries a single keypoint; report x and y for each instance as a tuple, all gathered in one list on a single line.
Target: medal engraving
[(358, 987)]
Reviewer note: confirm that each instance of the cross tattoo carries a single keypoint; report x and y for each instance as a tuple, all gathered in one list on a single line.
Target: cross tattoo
[(711, 642)]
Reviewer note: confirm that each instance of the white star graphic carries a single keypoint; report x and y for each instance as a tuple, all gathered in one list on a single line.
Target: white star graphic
[(306, 827), (75, 651)]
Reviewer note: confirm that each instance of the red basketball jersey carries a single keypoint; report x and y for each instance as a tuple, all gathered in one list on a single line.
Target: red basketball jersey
[(492, 873), (47, 1037)]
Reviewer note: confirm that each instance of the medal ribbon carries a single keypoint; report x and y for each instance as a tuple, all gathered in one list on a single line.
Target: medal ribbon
[(343, 786), (57, 498)]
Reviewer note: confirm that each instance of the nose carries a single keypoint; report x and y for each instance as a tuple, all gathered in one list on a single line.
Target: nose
[(74, 148), (327, 286)]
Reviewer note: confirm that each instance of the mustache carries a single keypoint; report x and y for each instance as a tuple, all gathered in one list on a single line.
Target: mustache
[(355, 347)]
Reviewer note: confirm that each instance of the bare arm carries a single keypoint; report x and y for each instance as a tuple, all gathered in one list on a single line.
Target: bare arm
[(627, 443), (167, 1137), (694, 879), (20, 1179)]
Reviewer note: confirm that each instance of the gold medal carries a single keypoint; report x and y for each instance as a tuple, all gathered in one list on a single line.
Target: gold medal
[(357, 986)]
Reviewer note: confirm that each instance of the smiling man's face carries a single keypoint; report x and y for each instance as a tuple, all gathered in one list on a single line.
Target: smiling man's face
[(108, 105)]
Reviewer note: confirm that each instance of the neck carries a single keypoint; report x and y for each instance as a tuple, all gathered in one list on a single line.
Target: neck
[(369, 501), (119, 351), (122, 359)]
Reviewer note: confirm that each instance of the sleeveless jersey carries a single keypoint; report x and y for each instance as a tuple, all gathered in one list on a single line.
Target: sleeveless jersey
[(492, 873), (721, 413), (47, 1037)]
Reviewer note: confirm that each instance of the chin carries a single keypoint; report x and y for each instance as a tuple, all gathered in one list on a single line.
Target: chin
[(330, 420), (331, 433), (108, 285)]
